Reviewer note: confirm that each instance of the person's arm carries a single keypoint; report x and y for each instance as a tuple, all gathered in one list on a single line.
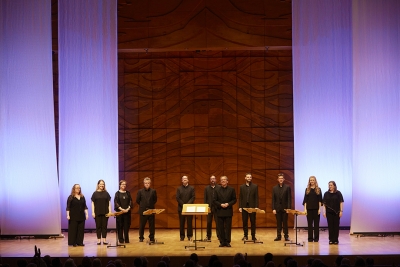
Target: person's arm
[(273, 201), (305, 201), (117, 206), (233, 198), (341, 209), (178, 197), (109, 206), (256, 196), (68, 206), (93, 214)]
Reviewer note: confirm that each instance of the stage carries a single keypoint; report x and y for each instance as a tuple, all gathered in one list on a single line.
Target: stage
[(385, 250)]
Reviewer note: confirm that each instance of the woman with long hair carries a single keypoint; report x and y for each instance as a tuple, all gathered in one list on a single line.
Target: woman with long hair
[(101, 206), (77, 213), (333, 205), (312, 203)]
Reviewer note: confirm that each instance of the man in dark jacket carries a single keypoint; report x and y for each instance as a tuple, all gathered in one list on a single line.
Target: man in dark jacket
[(281, 200), (185, 195), (248, 198), (224, 199), (146, 199)]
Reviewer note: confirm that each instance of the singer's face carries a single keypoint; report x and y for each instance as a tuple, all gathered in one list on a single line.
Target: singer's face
[(101, 186), (146, 184), (248, 178), (185, 181), (281, 179), (312, 181), (122, 186)]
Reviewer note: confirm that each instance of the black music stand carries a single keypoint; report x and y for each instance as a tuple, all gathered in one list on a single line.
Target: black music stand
[(251, 210), (195, 209), (150, 212), (295, 213), (117, 244)]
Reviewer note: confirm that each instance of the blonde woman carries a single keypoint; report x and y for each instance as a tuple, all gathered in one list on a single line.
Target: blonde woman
[(77, 213), (312, 203), (101, 206)]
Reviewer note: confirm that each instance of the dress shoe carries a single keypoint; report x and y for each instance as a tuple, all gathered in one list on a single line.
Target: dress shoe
[(182, 238), (98, 243), (141, 239), (81, 245), (121, 241), (228, 245), (287, 239), (208, 238), (330, 242), (277, 239), (152, 240), (105, 242), (189, 238), (244, 238), (74, 245), (336, 242), (310, 240), (316, 240), (221, 245), (254, 238)]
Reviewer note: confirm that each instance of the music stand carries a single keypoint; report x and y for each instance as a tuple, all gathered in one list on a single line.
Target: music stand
[(153, 212), (195, 209), (251, 210), (117, 244), (295, 213)]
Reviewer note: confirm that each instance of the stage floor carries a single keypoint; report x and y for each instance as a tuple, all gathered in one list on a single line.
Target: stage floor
[(349, 245)]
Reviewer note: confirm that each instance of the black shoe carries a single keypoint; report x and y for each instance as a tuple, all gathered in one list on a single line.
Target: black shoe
[(152, 240), (141, 239), (221, 245), (105, 243), (254, 238), (208, 238), (74, 245), (316, 240), (81, 245), (121, 241), (244, 238), (330, 242), (228, 245), (189, 238), (287, 239), (182, 238), (336, 242), (310, 240), (98, 243), (277, 239)]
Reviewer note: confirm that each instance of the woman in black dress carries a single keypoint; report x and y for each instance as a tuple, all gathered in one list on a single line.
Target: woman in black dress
[(333, 203), (101, 206), (123, 202), (77, 213), (312, 203)]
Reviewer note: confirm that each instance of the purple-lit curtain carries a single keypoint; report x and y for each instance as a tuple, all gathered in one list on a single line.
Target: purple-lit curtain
[(29, 193), (88, 98), (322, 98), (376, 109), (346, 105)]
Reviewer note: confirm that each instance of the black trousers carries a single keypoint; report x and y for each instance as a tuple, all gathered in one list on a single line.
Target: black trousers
[(313, 224), (101, 225), (189, 220), (142, 223), (245, 220), (281, 220), (76, 230), (333, 226), (210, 216), (123, 225), (225, 229)]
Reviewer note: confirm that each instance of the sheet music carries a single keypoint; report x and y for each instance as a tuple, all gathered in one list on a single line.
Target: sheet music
[(201, 209), (191, 209)]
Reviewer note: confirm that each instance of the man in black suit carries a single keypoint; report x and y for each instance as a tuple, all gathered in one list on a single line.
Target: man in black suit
[(248, 198), (146, 198), (224, 199), (281, 200), (185, 195), (209, 192)]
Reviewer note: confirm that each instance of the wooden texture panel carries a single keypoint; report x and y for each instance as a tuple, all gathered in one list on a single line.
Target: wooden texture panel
[(203, 113)]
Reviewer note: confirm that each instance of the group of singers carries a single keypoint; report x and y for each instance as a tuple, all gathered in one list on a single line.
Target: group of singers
[(220, 199)]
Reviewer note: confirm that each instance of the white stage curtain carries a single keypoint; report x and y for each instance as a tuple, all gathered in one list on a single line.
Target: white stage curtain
[(376, 109), (346, 105), (322, 98), (88, 102), (29, 192)]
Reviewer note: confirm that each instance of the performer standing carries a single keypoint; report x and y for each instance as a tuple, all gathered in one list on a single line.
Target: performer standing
[(101, 206), (185, 195), (248, 198), (312, 203), (333, 204), (224, 199), (77, 213), (123, 202), (209, 193), (146, 199), (281, 200)]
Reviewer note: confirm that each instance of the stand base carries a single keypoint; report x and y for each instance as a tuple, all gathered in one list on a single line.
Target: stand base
[(294, 243), (116, 246), (253, 241)]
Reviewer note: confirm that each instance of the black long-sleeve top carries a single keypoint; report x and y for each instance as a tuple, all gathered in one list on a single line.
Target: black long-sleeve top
[(312, 199), (332, 201), (146, 199), (76, 208), (123, 200), (209, 193), (185, 195)]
